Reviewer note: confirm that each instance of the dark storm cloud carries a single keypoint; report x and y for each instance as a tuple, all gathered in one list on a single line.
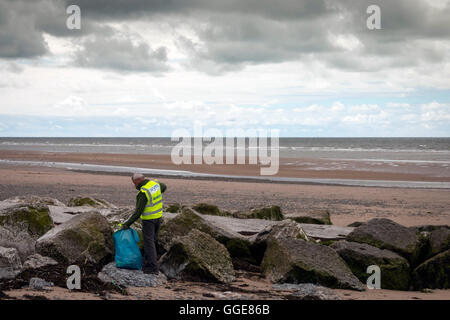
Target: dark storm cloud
[(121, 55), (236, 33), (23, 24), (19, 37)]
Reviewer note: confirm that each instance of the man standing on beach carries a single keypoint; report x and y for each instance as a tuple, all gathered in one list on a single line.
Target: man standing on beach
[(149, 208)]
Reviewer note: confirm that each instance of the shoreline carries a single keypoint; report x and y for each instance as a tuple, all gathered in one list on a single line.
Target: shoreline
[(346, 204), (370, 173), (162, 173)]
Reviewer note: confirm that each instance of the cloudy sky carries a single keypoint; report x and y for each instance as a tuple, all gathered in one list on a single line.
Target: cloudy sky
[(149, 67)]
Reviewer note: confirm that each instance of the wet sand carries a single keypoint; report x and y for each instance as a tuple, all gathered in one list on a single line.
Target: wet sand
[(293, 168), (410, 207)]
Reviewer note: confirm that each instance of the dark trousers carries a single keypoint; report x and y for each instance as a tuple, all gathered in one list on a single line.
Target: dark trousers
[(150, 230)]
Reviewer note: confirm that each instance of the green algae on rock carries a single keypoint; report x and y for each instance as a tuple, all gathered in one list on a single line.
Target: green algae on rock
[(313, 217), (289, 260), (387, 234), (395, 271), (199, 257), (433, 273), (90, 202), (85, 239), (22, 224)]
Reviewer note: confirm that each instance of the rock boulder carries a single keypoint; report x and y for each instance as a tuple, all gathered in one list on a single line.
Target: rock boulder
[(313, 217), (289, 260), (188, 220), (287, 228), (21, 224), (386, 234), (266, 213), (433, 273), (199, 257), (84, 239), (395, 271), (130, 278), (10, 264), (90, 202)]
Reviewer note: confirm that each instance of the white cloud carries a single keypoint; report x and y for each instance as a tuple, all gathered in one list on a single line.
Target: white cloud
[(348, 42), (435, 112), (399, 105), (365, 108)]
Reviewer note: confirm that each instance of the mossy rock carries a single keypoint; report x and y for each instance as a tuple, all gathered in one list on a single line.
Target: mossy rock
[(210, 209), (387, 234), (188, 220), (286, 229), (173, 208), (21, 225), (37, 200), (423, 250), (180, 226), (36, 219), (314, 217), (199, 257), (289, 260), (89, 201), (395, 270), (85, 239), (266, 213), (240, 250), (433, 273), (440, 240)]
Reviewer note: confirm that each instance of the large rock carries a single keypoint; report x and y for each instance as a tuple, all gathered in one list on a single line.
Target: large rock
[(85, 239), (36, 200), (266, 213), (188, 220), (433, 273), (21, 224), (211, 209), (90, 202), (36, 261), (395, 271), (197, 256), (172, 207), (10, 264), (287, 228), (431, 241), (386, 234), (440, 240), (313, 217), (298, 261), (130, 278)]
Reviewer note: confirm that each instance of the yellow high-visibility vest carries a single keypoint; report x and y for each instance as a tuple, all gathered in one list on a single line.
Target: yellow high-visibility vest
[(154, 207)]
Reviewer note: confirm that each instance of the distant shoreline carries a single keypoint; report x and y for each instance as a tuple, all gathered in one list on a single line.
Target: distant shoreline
[(297, 171)]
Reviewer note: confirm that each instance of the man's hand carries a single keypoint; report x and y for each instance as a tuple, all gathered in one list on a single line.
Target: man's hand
[(123, 226)]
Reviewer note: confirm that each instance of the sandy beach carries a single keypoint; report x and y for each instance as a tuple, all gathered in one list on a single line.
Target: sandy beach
[(347, 204)]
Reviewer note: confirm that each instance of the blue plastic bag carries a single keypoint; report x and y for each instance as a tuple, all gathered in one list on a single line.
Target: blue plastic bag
[(128, 255)]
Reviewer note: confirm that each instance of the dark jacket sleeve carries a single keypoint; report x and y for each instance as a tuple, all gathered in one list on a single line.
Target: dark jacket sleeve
[(141, 201)]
